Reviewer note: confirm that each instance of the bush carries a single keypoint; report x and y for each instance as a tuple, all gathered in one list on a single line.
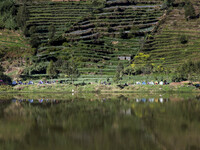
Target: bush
[(57, 41), (169, 2), (22, 16), (189, 10), (183, 39), (178, 78), (2, 25), (6, 79), (188, 71), (40, 68)]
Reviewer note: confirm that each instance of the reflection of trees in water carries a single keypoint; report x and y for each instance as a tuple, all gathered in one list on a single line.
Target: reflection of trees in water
[(114, 122), (174, 121)]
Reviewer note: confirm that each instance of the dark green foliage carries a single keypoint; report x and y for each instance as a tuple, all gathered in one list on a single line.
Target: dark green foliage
[(179, 77), (22, 16), (169, 2), (128, 70), (1, 69), (110, 29), (71, 69), (51, 70), (57, 41), (36, 68), (34, 40), (6, 79), (189, 10), (24, 1), (33, 30), (188, 71), (52, 31), (119, 73), (183, 39), (97, 2), (123, 35), (8, 12)]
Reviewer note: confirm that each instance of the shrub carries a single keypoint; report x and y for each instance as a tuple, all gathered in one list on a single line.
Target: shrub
[(183, 39), (51, 70), (169, 2), (6, 79), (188, 71), (40, 68), (22, 16), (189, 10), (57, 41), (52, 31), (178, 78)]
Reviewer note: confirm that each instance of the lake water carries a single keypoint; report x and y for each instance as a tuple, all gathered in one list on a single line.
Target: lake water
[(99, 121)]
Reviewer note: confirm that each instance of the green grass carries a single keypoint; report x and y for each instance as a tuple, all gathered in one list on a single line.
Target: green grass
[(102, 88)]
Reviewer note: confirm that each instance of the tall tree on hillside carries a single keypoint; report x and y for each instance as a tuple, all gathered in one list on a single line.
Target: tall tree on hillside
[(71, 69), (189, 10), (5, 78), (52, 31), (34, 40), (119, 73), (51, 70), (22, 16)]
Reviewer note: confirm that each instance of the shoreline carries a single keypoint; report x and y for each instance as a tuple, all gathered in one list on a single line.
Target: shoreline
[(96, 88)]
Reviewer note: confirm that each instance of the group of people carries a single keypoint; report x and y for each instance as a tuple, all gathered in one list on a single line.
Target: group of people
[(22, 83), (35, 101), (31, 82), (104, 83), (152, 83)]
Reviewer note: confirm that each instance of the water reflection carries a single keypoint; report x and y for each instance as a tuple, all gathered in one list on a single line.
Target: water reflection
[(144, 100), (121, 122), (36, 101)]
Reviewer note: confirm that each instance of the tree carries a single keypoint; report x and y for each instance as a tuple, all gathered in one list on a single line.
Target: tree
[(169, 2), (189, 10), (123, 34), (1, 69), (22, 16), (52, 31), (5, 78), (51, 70), (34, 40), (119, 73), (71, 69)]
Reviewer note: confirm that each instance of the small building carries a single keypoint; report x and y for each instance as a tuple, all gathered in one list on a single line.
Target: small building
[(124, 58), (128, 58), (121, 57)]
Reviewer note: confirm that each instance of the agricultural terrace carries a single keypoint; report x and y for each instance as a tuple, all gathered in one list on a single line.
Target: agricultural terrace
[(176, 41), (99, 38)]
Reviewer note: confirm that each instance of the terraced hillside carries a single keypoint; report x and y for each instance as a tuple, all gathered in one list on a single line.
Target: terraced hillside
[(120, 29), (13, 47), (106, 36), (59, 14), (176, 41)]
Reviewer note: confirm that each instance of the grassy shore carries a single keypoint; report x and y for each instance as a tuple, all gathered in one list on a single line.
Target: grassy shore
[(98, 88)]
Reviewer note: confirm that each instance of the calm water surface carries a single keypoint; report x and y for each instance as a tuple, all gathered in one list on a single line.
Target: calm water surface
[(99, 122)]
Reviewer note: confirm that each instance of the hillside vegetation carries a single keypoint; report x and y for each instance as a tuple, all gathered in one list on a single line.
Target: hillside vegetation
[(176, 41), (98, 36)]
